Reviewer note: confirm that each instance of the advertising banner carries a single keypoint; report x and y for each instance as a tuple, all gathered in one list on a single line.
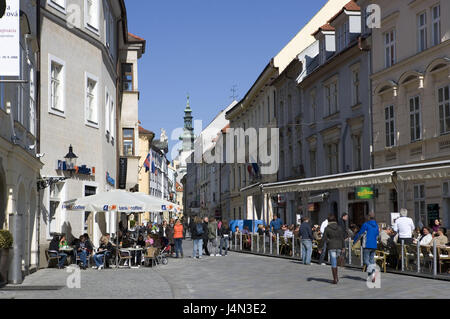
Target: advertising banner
[(10, 40)]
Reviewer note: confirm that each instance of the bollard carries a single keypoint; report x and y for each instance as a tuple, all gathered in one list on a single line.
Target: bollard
[(403, 255), (240, 244), (350, 251), (235, 241), (434, 259), (251, 242), (293, 246), (361, 255), (271, 244), (257, 243), (418, 256), (278, 244)]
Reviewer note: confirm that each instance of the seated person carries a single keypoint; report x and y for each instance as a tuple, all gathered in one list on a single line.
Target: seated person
[(63, 242), (127, 242), (141, 243), (53, 251), (425, 238), (440, 238), (89, 245), (245, 231), (260, 230), (149, 241), (236, 230), (82, 252), (104, 249), (288, 233)]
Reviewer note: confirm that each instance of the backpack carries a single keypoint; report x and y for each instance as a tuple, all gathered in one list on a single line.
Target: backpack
[(199, 229)]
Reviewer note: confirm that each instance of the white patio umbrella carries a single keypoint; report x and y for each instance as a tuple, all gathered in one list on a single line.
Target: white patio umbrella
[(112, 201), (152, 203)]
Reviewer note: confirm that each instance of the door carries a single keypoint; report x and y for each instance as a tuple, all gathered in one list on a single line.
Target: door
[(89, 216), (358, 213)]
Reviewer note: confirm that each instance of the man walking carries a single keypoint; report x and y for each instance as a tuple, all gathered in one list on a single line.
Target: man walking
[(323, 226), (307, 239), (212, 235), (370, 229), (404, 226)]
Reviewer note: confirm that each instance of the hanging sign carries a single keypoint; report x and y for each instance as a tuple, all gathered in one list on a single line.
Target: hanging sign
[(10, 40)]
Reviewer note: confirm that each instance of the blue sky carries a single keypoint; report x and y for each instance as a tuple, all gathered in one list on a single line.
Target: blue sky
[(205, 47)]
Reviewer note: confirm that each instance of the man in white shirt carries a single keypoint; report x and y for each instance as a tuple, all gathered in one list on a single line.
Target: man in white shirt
[(324, 250), (404, 226)]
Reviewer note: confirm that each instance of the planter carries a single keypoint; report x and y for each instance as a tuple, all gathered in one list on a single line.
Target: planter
[(4, 265)]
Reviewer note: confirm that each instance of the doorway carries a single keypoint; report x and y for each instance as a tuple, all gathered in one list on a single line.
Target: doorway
[(358, 212), (89, 216)]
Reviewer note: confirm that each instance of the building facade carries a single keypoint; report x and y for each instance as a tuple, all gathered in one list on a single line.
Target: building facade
[(411, 67), (19, 148)]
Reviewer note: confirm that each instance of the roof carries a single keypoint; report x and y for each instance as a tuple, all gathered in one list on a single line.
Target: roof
[(132, 37), (143, 131), (135, 39), (325, 27), (351, 6)]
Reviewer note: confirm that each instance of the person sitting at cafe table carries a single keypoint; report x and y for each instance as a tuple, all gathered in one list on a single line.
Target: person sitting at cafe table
[(440, 238), (54, 251), (105, 249), (425, 238), (63, 242), (140, 243), (82, 252)]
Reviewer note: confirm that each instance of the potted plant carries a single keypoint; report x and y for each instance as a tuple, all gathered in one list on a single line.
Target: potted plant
[(6, 243)]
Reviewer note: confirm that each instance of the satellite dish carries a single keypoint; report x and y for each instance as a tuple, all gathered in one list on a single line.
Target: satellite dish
[(2, 8)]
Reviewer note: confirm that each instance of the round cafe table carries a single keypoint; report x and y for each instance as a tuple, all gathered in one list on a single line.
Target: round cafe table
[(135, 255)]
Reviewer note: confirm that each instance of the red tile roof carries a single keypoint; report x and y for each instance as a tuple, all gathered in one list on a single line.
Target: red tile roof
[(350, 6), (131, 35), (144, 131), (325, 27)]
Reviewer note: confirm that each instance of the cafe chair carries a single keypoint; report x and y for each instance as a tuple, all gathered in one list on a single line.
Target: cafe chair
[(50, 259)]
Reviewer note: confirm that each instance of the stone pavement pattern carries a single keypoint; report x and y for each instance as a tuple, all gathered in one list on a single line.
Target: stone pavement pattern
[(236, 276)]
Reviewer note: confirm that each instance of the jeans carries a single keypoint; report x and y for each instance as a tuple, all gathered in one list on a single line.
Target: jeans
[(198, 248), (98, 258), (83, 256), (306, 251), (369, 259), (213, 242), (323, 254), (179, 246), (62, 260), (334, 254), (224, 245)]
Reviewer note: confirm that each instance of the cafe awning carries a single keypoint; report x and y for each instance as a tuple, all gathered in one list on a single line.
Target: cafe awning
[(424, 173), (331, 182)]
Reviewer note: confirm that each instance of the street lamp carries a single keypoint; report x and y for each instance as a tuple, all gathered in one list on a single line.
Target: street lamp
[(71, 160)]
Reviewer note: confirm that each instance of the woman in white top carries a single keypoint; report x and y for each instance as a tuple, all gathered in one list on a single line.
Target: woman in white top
[(426, 237)]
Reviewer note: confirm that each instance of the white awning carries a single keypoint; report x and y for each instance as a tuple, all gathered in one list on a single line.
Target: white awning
[(424, 173), (333, 182)]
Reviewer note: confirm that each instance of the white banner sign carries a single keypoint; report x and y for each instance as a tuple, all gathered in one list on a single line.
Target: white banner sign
[(10, 40)]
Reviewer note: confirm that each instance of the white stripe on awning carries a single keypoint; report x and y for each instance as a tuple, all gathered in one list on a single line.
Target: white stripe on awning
[(332, 183), (424, 173)]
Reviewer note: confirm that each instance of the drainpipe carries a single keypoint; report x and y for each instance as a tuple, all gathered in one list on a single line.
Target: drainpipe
[(38, 126)]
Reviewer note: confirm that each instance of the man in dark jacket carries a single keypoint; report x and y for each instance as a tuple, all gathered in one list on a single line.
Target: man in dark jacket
[(205, 235), (343, 222), (307, 239), (334, 236)]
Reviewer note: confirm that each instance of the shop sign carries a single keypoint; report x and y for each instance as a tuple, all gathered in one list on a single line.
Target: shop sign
[(364, 193), (10, 39), (83, 169)]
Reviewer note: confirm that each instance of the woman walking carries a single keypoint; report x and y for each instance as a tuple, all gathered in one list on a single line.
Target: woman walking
[(197, 233), (224, 234), (334, 237), (178, 234)]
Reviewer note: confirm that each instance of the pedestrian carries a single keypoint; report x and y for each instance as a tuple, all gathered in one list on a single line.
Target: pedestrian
[(275, 224), (212, 235), (343, 222), (370, 230), (197, 231), (164, 234), (224, 233), (205, 235), (306, 235), (323, 226), (334, 239), (178, 234), (170, 236), (404, 226)]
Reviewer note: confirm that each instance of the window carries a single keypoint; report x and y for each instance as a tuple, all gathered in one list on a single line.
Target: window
[(281, 121), (419, 204), (414, 115), (268, 110), (128, 142), (300, 152), (332, 156), (331, 99), (127, 76), (390, 126), (313, 107), (422, 32), (58, 4), (357, 156), (389, 48), (444, 109), (107, 117), (92, 13), (56, 86), (110, 30), (91, 100), (323, 53), (436, 24), (355, 87), (32, 103)]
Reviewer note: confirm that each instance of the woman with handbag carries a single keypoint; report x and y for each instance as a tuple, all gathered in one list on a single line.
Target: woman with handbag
[(334, 237)]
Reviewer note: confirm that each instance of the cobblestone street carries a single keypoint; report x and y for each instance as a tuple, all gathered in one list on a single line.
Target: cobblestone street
[(236, 276)]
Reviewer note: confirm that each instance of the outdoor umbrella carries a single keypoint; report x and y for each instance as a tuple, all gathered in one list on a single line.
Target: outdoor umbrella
[(112, 201)]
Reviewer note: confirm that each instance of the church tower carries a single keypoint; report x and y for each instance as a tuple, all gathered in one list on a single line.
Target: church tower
[(188, 133)]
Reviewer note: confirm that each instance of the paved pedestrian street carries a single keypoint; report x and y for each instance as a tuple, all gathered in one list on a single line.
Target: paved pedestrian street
[(236, 276)]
